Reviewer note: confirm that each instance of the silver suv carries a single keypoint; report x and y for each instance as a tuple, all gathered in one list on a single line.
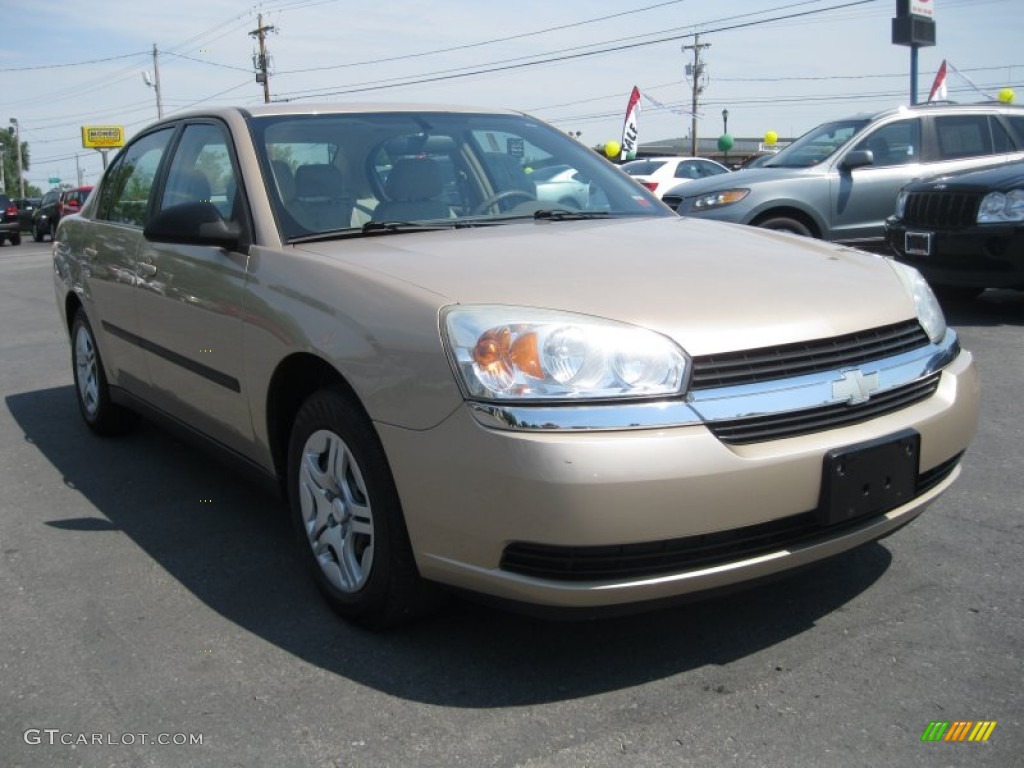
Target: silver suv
[(839, 182)]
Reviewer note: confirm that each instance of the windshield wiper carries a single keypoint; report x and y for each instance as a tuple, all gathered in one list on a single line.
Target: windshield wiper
[(563, 214), (389, 227)]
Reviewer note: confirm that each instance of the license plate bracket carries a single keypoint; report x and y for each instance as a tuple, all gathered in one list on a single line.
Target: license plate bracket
[(869, 478), (918, 243)]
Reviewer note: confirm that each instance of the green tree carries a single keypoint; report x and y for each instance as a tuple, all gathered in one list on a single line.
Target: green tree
[(10, 165)]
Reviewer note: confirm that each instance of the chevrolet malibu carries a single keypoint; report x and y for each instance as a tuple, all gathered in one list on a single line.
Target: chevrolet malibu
[(452, 382)]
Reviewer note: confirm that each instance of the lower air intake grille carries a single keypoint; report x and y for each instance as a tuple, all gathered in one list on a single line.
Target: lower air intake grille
[(626, 561)]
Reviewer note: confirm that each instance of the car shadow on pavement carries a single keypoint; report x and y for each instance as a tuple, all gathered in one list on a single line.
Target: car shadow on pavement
[(991, 308), (232, 547)]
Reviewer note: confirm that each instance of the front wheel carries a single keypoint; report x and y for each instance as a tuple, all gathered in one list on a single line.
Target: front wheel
[(786, 224), (347, 514), (101, 415)]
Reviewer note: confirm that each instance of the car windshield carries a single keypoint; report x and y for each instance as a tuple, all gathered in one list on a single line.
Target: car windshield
[(818, 144), (331, 174)]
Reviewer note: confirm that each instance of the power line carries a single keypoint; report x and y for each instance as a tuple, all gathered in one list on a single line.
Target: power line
[(518, 64)]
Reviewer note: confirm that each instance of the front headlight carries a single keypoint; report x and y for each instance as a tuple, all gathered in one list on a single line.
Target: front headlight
[(522, 353), (929, 313), (999, 207), (901, 203), (718, 199)]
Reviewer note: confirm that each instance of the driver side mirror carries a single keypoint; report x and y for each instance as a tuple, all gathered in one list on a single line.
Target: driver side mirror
[(194, 224), (858, 158)]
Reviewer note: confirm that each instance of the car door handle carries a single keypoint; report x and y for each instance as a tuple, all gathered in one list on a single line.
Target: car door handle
[(146, 269)]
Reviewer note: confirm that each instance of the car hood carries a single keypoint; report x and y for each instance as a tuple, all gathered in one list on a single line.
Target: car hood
[(711, 286), (998, 178), (743, 178)]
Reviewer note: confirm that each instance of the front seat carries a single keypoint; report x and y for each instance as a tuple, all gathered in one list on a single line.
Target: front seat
[(412, 188), (880, 150), (321, 202)]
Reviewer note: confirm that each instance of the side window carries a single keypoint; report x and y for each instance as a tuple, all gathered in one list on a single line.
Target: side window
[(1001, 140), (707, 169), (1017, 124), (897, 143), (963, 136), (201, 171), (687, 171), (124, 196)]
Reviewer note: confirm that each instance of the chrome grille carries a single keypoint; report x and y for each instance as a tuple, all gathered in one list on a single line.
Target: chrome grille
[(941, 209), (789, 360), (777, 426)]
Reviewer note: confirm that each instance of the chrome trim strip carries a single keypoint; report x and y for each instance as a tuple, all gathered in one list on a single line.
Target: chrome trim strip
[(720, 403)]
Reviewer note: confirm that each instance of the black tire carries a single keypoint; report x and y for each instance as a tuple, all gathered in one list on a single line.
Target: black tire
[(348, 517), (15, 238), (91, 390), (37, 234), (786, 224)]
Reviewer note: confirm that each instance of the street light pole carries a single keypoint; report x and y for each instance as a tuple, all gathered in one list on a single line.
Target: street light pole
[(17, 154)]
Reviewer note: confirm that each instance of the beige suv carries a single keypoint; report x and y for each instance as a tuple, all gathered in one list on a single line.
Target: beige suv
[(453, 382)]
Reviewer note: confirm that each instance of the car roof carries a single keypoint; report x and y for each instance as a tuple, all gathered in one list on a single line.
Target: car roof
[(934, 106), (334, 108)]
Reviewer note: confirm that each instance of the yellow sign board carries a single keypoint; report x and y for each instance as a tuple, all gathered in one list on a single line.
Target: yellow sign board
[(102, 136)]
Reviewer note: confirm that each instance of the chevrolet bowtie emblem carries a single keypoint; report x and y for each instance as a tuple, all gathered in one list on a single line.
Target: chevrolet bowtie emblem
[(854, 387)]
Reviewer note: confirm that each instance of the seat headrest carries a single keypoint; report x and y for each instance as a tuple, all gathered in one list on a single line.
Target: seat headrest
[(414, 179), (319, 181)]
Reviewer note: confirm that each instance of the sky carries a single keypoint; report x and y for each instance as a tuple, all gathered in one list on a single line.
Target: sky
[(776, 65)]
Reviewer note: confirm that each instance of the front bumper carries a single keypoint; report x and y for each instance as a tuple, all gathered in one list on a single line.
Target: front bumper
[(471, 494), (989, 256)]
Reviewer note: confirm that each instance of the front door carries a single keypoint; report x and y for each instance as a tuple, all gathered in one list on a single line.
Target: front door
[(190, 298)]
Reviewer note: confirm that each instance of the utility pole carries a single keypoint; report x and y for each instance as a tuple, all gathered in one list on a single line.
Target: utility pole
[(696, 70), (17, 154), (260, 61), (154, 83)]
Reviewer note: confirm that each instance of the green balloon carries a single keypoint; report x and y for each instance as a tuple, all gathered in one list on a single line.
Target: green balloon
[(725, 142)]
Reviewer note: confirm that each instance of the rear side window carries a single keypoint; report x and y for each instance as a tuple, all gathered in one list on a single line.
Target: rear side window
[(124, 197), (966, 136)]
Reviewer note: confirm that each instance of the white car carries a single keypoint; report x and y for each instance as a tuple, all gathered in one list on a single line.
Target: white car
[(660, 174), (561, 184)]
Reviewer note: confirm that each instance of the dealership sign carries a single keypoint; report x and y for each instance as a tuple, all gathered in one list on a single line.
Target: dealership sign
[(102, 136), (922, 8)]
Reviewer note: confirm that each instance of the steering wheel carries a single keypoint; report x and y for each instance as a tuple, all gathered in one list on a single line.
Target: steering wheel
[(498, 197)]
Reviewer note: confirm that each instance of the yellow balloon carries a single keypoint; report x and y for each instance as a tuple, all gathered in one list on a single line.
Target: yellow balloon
[(612, 149), (1006, 95), (770, 138)]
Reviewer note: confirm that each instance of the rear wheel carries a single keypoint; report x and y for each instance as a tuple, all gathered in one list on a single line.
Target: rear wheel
[(37, 233), (16, 238), (101, 415), (786, 224), (348, 517)]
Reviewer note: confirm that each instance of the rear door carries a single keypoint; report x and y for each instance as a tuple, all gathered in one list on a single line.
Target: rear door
[(108, 253)]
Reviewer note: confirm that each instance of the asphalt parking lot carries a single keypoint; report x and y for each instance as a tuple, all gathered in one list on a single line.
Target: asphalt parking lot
[(154, 614)]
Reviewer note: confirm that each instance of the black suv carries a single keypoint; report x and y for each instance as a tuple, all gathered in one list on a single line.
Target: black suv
[(26, 210), (10, 226), (964, 232), (55, 204)]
